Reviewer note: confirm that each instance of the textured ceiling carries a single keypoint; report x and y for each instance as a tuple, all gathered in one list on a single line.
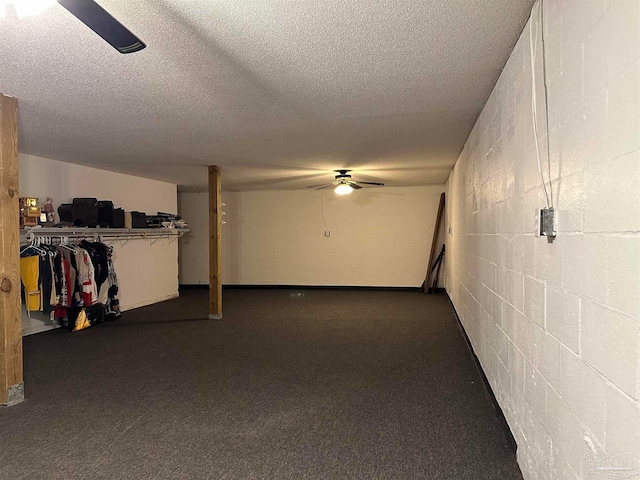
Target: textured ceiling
[(276, 92)]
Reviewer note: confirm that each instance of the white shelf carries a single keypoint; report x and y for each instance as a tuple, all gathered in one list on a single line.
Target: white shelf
[(112, 234)]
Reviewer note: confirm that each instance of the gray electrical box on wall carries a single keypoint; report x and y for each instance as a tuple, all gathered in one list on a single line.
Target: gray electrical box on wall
[(548, 223)]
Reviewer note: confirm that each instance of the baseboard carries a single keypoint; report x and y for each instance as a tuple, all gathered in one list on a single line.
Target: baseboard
[(37, 329), (303, 287), (494, 401), (145, 303)]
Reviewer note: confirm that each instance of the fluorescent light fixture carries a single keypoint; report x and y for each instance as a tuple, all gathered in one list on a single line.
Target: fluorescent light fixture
[(25, 8), (343, 189)]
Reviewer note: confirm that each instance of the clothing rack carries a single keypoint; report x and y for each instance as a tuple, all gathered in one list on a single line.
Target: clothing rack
[(108, 236)]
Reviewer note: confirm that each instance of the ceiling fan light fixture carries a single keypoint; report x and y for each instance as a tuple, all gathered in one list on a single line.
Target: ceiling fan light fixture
[(343, 189), (25, 8)]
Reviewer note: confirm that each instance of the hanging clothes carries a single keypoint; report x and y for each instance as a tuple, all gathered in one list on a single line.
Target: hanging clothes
[(86, 277), (76, 285), (98, 254), (69, 256), (113, 304), (30, 276)]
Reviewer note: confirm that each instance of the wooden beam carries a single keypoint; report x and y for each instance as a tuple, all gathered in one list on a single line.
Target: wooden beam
[(434, 244), (215, 244), (11, 380)]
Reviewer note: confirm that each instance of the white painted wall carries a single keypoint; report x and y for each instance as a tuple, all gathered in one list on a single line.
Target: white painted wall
[(556, 325), (379, 237), (146, 274)]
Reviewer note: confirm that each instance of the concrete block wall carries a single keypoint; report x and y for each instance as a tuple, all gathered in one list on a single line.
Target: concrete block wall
[(556, 326)]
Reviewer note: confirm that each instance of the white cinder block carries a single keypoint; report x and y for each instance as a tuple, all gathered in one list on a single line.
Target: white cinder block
[(502, 346), (623, 121), (534, 300), (538, 437), (509, 314), (611, 46), (584, 391), (523, 334), (546, 356), (515, 289), (529, 258), (535, 390), (501, 282), (548, 259), (613, 209), (516, 368), (574, 268), (609, 343), (514, 252), (514, 213), (496, 309), (569, 200), (561, 469), (584, 135), (623, 274), (622, 424), (563, 316), (534, 200), (579, 18), (565, 430), (584, 265)]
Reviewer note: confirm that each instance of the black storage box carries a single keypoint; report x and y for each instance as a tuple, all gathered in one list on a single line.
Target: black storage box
[(65, 211), (138, 220), (118, 218), (85, 212), (105, 213)]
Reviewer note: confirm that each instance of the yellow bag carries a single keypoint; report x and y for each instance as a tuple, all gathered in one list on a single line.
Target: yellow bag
[(82, 321)]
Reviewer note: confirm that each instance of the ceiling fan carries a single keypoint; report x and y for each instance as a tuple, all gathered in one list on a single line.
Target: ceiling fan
[(88, 12), (343, 183)]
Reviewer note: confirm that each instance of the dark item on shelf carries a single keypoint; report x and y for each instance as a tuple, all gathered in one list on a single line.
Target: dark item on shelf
[(105, 213), (85, 201), (118, 218), (155, 221), (138, 220), (85, 212), (109, 216), (65, 212), (170, 216)]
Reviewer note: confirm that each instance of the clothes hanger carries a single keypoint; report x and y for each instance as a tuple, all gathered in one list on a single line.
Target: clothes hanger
[(35, 244), (64, 243)]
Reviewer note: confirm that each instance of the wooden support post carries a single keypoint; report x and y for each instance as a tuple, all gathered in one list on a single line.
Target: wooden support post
[(215, 244), (11, 381)]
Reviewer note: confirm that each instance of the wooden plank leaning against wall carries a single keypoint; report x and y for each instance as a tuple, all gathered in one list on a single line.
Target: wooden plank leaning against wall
[(11, 375), (425, 288), (215, 243)]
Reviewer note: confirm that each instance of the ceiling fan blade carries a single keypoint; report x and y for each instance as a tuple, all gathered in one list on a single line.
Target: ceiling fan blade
[(354, 185), (100, 21), (323, 187), (371, 183)]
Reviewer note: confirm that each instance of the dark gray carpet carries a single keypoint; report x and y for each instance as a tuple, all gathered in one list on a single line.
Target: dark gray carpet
[(291, 384)]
